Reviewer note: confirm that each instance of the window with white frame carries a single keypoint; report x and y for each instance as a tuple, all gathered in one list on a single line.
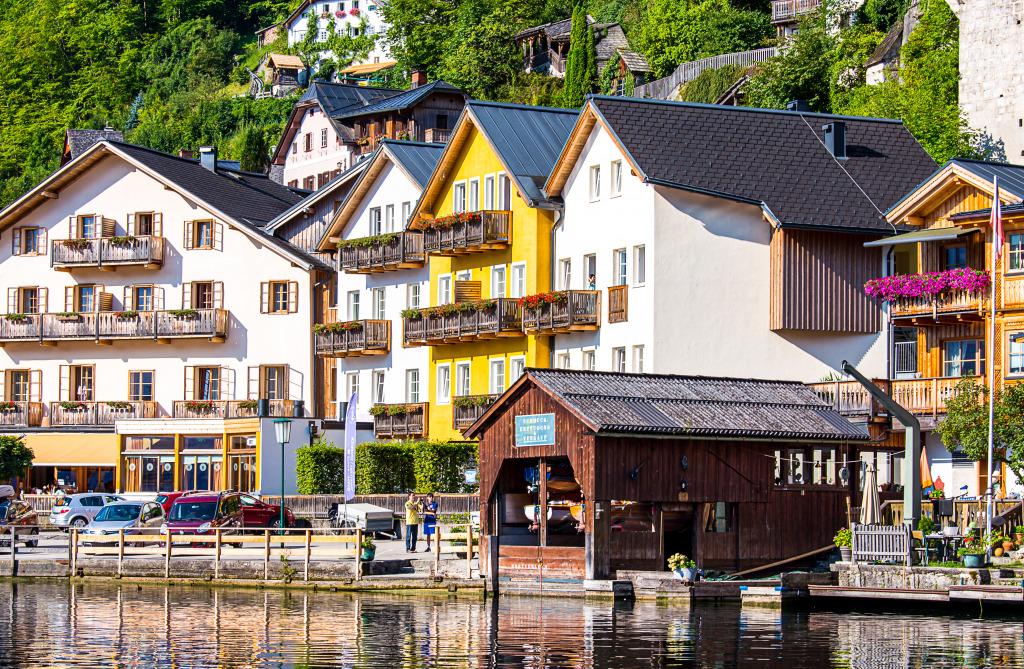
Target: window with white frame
[(406, 213), (1016, 354), (595, 183), (563, 361), (412, 386), (590, 360), (378, 387), (590, 264), (638, 359), (378, 304), (351, 385), (619, 359), (444, 289), (474, 195), (489, 192), (565, 272), (619, 267), (389, 218), (444, 384), (352, 304), (504, 195), (516, 368), (412, 296), (518, 284), (464, 275), (497, 281), (1016, 254), (497, 376), (463, 378), (374, 221), (459, 197), (639, 265), (616, 178), (323, 138)]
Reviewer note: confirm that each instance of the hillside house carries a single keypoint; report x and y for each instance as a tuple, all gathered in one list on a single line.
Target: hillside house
[(546, 47)]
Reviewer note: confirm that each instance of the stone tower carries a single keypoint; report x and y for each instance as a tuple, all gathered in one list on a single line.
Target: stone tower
[(992, 69)]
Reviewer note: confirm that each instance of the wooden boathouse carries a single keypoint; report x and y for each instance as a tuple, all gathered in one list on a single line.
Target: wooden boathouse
[(587, 473)]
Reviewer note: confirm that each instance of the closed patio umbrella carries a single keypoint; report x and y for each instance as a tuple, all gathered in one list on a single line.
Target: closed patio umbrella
[(871, 505)]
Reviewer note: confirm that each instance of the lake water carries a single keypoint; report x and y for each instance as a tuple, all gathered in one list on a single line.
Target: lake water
[(125, 625)]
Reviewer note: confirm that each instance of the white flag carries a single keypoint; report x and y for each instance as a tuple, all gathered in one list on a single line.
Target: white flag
[(350, 448)]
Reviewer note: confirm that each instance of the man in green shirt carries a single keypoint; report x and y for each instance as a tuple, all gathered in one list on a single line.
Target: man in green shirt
[(412, 522)]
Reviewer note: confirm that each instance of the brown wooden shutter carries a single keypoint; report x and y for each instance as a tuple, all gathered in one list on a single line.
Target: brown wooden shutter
[(264, 297), (127, 298), (69, 298), (293, 296), (104, 301), (186, 295), (158, 225), (42, 301), (107, 227), (130, 227), (190, 382), (16, 241), (65, 393), (467, 291), (12, 300), (253, 386), (44, 245), (189, 234), (218, 294), (35, 385)]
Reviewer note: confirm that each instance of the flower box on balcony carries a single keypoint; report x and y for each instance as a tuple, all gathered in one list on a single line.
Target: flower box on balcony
[(73, 406), (119, 405), (446, 222), (931, 284), (68, 316), (364, 242), (127, 315), (77, 244), (388, 410), (17, 318), (9, 407), (248, 405), (199, 406), (334, 328), (183, 314)]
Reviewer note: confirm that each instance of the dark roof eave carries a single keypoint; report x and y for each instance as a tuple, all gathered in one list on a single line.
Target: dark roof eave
[(702, 191), (885, 232), (733, 435)]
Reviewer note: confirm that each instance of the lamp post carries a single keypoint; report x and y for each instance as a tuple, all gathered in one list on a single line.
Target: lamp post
[(283, 432)]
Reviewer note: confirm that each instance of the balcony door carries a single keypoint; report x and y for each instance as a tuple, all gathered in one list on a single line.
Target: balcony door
[(268, 382), (203, 383), (77, 383), (21, 385)]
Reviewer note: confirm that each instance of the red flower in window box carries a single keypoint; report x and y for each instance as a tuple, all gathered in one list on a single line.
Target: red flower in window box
[(354, 11)]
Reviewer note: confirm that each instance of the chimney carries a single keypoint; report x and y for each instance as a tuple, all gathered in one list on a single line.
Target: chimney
[(798, 106), (835, 138), (208, 157), (419, 78), (186, 153)]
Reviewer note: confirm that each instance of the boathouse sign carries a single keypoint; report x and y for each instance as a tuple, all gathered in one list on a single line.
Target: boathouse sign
[(535, 430)]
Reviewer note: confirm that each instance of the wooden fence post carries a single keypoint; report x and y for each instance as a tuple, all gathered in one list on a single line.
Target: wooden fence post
[(437, 548), (216, 555), (120, 549), (167, 556), (14, 543), (266, 554), (309, 537), (74, 551), (469, 550), (359, 551)]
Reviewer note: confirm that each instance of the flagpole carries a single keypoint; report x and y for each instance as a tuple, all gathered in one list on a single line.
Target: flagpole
[(996, 252)]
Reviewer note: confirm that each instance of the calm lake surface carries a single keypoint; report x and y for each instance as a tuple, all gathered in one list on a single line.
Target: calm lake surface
[(123, 625)]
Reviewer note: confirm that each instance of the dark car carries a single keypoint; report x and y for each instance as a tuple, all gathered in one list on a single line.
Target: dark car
[(14, 512), (256, 513), (167, 499), (204, 513)]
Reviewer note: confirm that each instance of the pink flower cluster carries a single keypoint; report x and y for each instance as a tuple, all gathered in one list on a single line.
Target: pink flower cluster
[(932, 284), (354, 11)]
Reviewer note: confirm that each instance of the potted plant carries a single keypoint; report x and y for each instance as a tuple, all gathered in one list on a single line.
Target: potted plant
[(844, 542), (8, 407), (684, 567), (369, 549), (68, 316), (972, 554), (1018, 533)]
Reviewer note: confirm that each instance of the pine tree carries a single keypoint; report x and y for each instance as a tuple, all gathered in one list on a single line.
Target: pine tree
[(132, 121), (590, 72), (576, 62)]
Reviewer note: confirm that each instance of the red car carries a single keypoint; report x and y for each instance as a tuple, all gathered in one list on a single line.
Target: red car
[(260, 514), (166, 500), (204, 513)]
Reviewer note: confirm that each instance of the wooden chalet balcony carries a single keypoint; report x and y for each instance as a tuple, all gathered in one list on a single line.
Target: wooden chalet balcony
[(925, 397), (581, 311), (107, 253), (369, 338), (492, 230), (99, 413), (618, 304), (105, 326), (503, 318), (436, 135), (849, 398), (957, 307), (229, 408), (466, 409), (21, 414), (403, 251), (411, 423), (787, 10)]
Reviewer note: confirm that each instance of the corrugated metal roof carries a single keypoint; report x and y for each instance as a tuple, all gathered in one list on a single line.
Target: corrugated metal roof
[(403, 100), (310, 200), (337, 99), (697, 405), (931, 235), (1011, 177), (417, 158), (527, 139)]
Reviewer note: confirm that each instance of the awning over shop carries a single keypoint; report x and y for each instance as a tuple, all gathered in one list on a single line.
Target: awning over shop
[(369, 68), (931, 235), (73, 450)]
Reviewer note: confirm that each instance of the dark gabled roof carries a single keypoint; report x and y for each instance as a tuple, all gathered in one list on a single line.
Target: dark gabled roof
[(770, 157), (403, 100), (527, 139), (336, 99), (1011, 177), (892, 41), (613, 402), (312, 197), (418, 159), (555, 30), (78, 141), (635, 62)]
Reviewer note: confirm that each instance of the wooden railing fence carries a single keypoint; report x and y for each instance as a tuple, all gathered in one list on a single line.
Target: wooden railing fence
[(882, 543)]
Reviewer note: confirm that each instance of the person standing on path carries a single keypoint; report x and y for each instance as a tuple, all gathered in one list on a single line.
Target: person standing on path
[(412, 522), (429, 519)]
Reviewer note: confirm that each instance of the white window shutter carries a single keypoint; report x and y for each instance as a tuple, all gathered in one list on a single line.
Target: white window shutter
[(16, 241), (131, 224), (186, 295), (69, 298), (158, 225), (127, 298), (218, 235), (265, 297), (65, 383), (218, 294), (253, 385), (43, 301), (189, 227), (44, 246), (72, 231), (158, 298), (293, 296), (190, 382), (35, 385), (12, 300)]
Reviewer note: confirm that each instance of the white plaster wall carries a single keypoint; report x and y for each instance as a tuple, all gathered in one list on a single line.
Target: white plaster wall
[(598, 228), (376, 25), (302, 163), (114, 188), (392, 187)]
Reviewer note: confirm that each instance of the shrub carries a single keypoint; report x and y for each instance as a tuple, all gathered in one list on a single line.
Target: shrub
[(320, 469), (384, 468), (439, 465)]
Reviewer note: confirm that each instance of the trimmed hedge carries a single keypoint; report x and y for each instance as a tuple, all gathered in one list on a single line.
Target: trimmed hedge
[(439, 465), (424, 466), (320, 469)]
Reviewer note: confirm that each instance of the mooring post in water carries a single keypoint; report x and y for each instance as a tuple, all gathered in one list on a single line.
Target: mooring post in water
[(14, 536), (167, 555), (216, 555), (309, 535), (266, 553), (120, 549), (73, 538), (469, 550), (359, 553)]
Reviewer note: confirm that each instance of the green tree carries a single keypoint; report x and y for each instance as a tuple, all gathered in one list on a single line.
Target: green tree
[(189, 53), (590, 71), (418, 32), (801, 70), (254, 149), (576, 62), (965, 427), (15, 457), (320, 469), (709, 85), (481, 56), (671, 32)]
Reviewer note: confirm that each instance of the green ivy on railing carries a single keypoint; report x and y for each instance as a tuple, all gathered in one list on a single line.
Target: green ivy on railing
[(119, 405), (334, 328), (363, 242), (73, 406), (77, 244), (450, 309), (17, 318), (183, 313), (467, 401)]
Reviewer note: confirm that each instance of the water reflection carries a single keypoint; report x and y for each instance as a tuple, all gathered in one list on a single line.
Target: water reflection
[(125, 625)]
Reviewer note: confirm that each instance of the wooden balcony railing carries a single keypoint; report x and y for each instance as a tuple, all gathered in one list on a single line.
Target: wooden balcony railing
[(436, 135), (618, 304), (245, 409), (850, 398), (468, 408), (926, 396), (787, 9), (412, 423), (581, 311), (229, 408), (99, 413), (503, 319), (108, 252), (108, 325), (22, 414), (492, 231), (404, 251), (371, 338), (947, 308)]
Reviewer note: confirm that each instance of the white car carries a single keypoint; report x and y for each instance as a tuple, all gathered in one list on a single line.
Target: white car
[(78, 510)]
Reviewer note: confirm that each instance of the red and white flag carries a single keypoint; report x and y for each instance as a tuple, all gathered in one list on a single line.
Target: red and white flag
[(997, 220)]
